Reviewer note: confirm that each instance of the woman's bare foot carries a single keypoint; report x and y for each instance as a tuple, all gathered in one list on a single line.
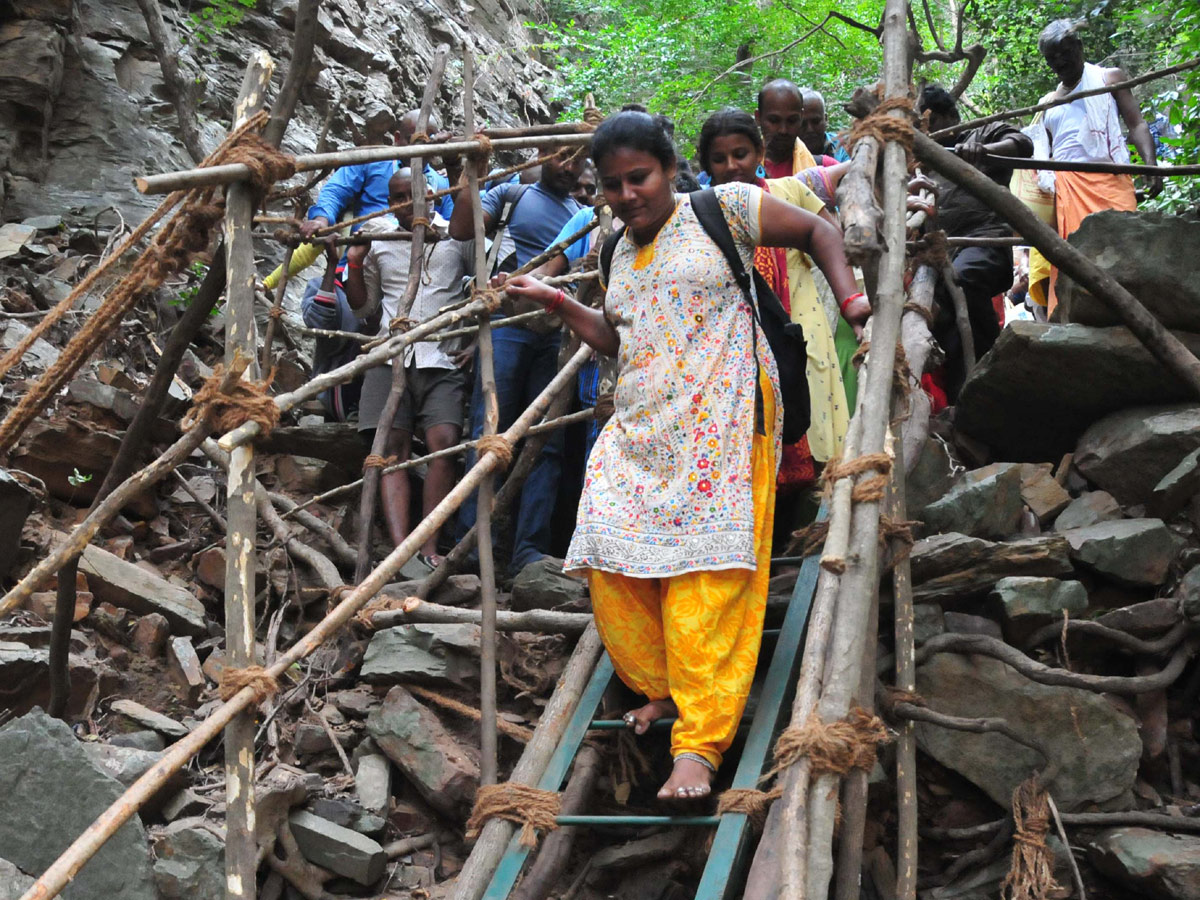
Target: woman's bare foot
[(690, 780), (641, 718)]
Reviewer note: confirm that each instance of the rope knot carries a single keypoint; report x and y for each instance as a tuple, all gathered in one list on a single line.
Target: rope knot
[(421, 222), (751, 803), (256, 678), (533, 809), (401, 324), (485, 145), (375, 461), (1031, 875), (883, 127), (229, 407), (420, 137), (499, 445), (934, 252), (833, 748), (490, 297)]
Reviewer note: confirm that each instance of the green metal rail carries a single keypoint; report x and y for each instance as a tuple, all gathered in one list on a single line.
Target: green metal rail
[(731, 840)]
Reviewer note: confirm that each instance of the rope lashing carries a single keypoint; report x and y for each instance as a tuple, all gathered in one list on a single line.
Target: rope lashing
[(490, 297), (935, 251), (257, 678), (485, 145), (835, 469), (497, 444), (806, 540), (516, 732), (860, 354), (267, 164), (751, 803), (276, 312), (1031, 875), (421, 222), (891, 696), (375, 461), (401, 324), (364, 616), (533, 809), (870, 490), (244, 401), (420, 137), (899, 530), (882, 127), (923, 311), (833, 748)]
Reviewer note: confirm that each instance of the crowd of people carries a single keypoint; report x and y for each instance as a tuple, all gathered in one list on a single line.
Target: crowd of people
[(688, 480)]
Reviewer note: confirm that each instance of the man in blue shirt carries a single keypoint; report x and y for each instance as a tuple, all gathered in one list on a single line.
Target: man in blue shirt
[(363, 189), (812, 129), (525, 359)]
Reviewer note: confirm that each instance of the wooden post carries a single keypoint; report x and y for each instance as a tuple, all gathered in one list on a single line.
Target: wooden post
[(857, 590), (1168, 349), (241, 339), (918, 346), (371, 476), (487, 488), (906, 680), (962, 318)]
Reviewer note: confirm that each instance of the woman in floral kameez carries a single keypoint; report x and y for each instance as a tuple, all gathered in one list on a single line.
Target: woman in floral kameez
[(674, 526)]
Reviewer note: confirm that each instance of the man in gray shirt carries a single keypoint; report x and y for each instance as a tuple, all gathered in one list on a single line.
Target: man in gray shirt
[(525, 358), (377, 276)]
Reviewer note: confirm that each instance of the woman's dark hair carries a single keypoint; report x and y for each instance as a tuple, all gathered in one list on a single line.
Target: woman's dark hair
[(938, 100), (635, 131), (727, 121), (685, 181)]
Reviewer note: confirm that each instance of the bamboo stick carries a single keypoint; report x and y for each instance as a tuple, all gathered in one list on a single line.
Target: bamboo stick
[(458, 449), (858, 585), (1059, 101), (241, 339), (538, 620), (962, 318), (273, 318), (1064, 165), (533, 761), (906, 680), (231, 172), (1161, 343), (383, 430), (491, 421)]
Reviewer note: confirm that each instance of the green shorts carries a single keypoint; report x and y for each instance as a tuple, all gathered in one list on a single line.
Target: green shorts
[(431, 397)]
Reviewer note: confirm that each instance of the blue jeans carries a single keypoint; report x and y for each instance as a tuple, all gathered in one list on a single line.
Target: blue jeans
[(525, 363)]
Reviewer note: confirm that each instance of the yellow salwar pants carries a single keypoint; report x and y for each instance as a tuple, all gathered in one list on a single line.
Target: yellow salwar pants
[(695, 637)]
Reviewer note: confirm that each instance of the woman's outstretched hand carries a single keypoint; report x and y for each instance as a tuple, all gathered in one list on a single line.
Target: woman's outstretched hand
[(526, 287)]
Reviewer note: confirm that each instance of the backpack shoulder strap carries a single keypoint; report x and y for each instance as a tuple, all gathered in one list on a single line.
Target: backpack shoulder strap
[(607, 249), (512, 197), (708, 211)]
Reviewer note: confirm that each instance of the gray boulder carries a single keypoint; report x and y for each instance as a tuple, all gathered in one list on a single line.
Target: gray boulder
[(1096, 748), (25, 678), (953, 569), (1151, 863), (542, 585), (189, 862), (426, 654), (931, 475), (1176, 488), (1161, 274), (983, 503), (444, 772), (16, 500), (1129, 452), (1135, 552), (1027, 598), (1088, 508), (340, 850), (1062, 378), (13, 882), (50, 788)]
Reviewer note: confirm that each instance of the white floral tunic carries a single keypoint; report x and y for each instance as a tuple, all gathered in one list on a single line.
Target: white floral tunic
[(668, 486)]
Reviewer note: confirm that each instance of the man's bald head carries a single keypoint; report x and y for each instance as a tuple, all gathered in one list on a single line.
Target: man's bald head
[(814, 123), (779, 114), (407, 126)]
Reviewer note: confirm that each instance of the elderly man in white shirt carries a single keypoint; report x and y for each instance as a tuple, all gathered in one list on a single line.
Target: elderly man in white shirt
[(435, 387)]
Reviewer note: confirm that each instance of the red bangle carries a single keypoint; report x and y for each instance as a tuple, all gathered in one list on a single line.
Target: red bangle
[(554, 305), (848, 300), (350, 265)]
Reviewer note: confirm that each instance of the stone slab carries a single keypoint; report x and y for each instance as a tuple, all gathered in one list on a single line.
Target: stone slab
[(340, 850), (128, 586)]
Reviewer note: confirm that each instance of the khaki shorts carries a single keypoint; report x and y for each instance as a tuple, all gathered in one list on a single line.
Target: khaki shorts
[(431, 397)]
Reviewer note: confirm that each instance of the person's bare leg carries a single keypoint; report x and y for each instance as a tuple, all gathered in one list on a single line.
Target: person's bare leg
[(690, 779), (395, 487), (440, 476), (641, 718)]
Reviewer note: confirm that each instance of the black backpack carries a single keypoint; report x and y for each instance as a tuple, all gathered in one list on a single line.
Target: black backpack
[(785, 338)]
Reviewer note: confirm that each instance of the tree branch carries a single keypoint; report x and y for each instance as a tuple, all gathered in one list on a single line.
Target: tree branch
[(176, 85)]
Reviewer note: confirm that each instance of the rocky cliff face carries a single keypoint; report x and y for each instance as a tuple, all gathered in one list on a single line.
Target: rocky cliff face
[(82, 106)]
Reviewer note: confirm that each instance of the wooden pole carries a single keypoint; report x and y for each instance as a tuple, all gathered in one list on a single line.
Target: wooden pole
[(177, 87), (859, 583), (919, 348), (860, 214), (56, 877), (304, 37), (538, 620), (371, 476), (962, 318), (1059, 101), (491, 421), (231, 172), (1163, 345), (241, 339), (493, 840), (906, 680), (1062, 165)]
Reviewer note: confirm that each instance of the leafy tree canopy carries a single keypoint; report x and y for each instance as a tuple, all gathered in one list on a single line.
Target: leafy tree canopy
[(686, 58)]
